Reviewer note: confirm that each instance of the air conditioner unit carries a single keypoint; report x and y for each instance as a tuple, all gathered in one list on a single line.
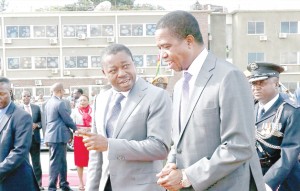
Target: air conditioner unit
[(98, 82), (282, 35), (263, 38), (53, 41), (140, 70), (8, 41), (110, 39), (81, 36), (67, 72), (54, 71), (38, 82)]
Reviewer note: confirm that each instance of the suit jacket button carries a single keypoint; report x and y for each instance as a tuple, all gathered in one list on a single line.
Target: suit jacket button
[(179, 151)]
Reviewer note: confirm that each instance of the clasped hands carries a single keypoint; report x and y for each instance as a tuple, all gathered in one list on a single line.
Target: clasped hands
[(170, 177), (93, 141)]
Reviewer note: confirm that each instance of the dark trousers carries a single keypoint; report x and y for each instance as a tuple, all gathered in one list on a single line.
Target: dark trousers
[(35, 153), (108, 185), (58, 166)]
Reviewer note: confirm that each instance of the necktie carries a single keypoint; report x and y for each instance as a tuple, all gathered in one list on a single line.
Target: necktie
[(184, 98), (114, 114), (261, 113), (27, 109)]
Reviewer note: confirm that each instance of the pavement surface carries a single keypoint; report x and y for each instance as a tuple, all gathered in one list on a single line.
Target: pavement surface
[(72, 173)]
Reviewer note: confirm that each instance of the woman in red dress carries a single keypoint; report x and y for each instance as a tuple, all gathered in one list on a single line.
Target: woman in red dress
[(81, 115)]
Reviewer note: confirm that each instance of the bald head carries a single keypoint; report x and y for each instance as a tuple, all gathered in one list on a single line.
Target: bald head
[(57, 89)]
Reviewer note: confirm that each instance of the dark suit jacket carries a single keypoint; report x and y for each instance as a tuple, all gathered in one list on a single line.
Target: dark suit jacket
[(58, 121), (36, 118), (15, 140), (286, 169)]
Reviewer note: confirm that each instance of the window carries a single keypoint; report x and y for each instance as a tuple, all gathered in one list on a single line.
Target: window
[(74, 30), (76, 61), (289, 27), (151, 60), (95, 30), (41, 31), (150, 29), (46, 62), (131, 30), (289, 58), (138, 60), (13, 63), (256, 57), (255, 27), (12, 31), (107, 30), (101, 30), (96, 61)]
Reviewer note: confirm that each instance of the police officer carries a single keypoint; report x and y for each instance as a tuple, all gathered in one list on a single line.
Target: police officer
[(160, 81), (277, 129)]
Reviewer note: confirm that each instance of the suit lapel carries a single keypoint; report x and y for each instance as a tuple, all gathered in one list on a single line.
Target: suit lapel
[(134, 98), (201, 81), (272, 111), (103, 109), (6, 116)]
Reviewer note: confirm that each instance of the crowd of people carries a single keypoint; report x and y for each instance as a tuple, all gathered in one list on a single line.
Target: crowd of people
[(220, 131)]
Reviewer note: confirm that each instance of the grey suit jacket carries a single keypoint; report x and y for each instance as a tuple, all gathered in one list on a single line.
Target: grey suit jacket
[(15, 142), (58, 121), (36, 118), (216, 145), (140, 141)]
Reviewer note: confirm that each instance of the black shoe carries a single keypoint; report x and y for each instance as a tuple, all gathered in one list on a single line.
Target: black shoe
[(66, 189), (42, 188)]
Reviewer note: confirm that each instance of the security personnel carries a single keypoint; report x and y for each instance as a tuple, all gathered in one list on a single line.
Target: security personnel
[(277, 129), (160, 81)]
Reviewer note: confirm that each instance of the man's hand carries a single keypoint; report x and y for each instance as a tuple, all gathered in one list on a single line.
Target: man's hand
[(34, 126), (93, 141), (170, 177)]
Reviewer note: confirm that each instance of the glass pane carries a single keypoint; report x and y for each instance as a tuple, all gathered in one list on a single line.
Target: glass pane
[(251, 57), (138, 60), (25, 63), (125, 30), (137, 30), (12, 32), (107, 30), (51, 31), (150, 29), (13, 63), (69, 31), (39, 31), (40, 62), (18, 93), (293, 27), (284, 27), (260, 57), (70, 62), (260, 28), (151, 60), (52, 62), (96, 61), (95, 30), (39, 91), (24, 31), (251, 27), (81, 29), (82, 61)]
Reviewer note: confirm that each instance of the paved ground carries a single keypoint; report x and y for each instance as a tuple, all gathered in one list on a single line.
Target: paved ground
[(72, 173)]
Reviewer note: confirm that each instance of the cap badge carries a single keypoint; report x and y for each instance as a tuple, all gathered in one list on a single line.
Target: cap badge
[(253, 66)]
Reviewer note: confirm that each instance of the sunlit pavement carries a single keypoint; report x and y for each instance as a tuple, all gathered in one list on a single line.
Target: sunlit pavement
[(72, 173)]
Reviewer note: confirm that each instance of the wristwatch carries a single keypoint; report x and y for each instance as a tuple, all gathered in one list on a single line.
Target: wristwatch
[(185, 183)]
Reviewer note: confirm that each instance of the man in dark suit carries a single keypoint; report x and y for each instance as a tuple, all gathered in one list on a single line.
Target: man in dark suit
[(15, 140), (278, 133), (213, 135), (35, 149), (58, 124)]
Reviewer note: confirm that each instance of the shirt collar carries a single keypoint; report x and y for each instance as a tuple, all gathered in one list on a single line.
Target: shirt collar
[(269, 104), (197, 64)]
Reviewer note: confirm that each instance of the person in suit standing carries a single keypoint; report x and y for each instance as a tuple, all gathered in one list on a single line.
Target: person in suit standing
[(15, 140), (213, 122), (127, 150), (58, 124), (35, 149), (277, 124)]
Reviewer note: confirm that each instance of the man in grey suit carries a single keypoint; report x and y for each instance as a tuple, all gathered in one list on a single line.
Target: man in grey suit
[(58, 122), (15, 139), (213, 121), (35, 149), (127, 152)]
